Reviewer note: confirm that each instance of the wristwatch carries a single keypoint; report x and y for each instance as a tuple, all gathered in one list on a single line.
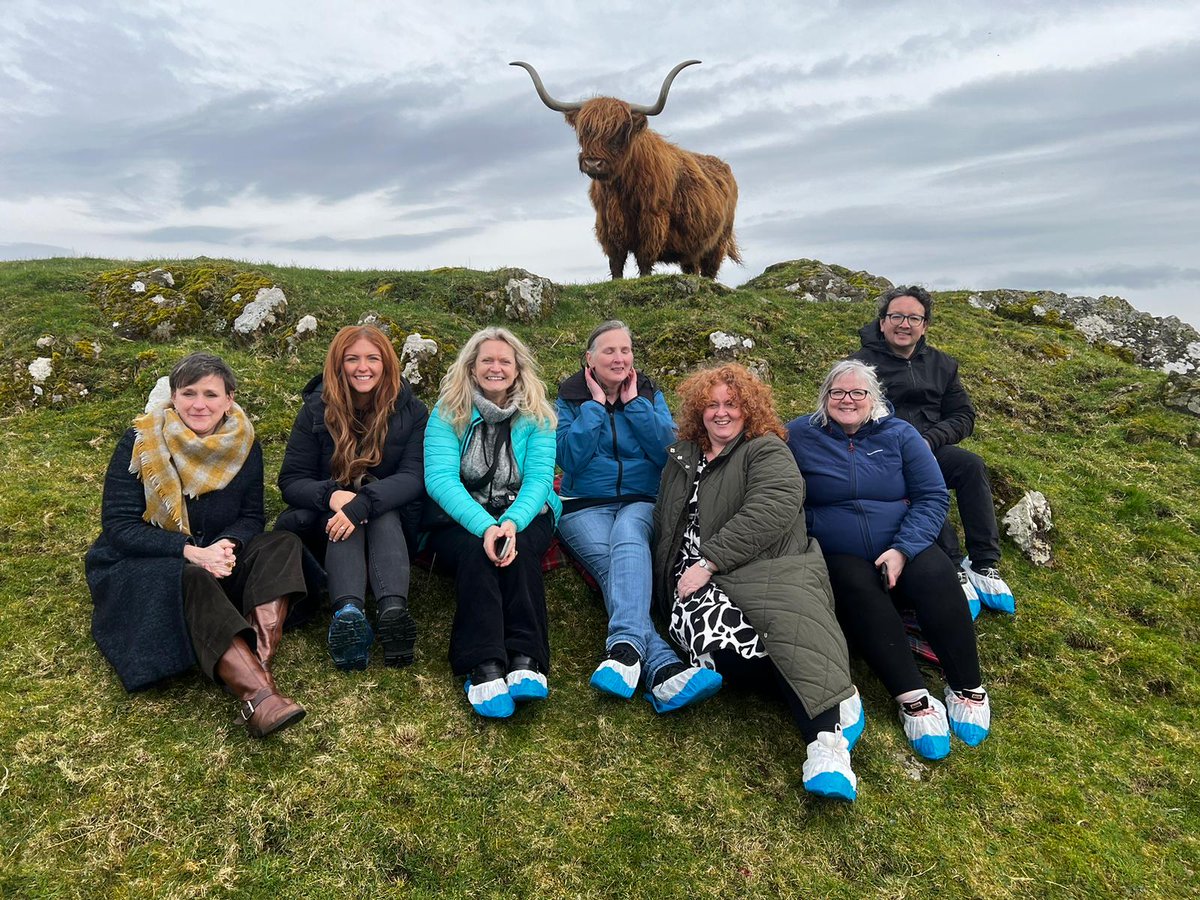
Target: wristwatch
[(705, 564)]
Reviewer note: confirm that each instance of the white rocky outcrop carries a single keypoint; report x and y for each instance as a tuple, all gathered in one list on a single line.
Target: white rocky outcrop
[(265, 310), (414, 356), (41, 369), (1028, 523)]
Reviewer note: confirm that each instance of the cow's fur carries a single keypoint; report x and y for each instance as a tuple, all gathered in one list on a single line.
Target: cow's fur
[(653, 199)]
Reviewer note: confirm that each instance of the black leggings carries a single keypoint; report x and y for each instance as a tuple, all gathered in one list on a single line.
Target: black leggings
[(870, 618), (761, 676)]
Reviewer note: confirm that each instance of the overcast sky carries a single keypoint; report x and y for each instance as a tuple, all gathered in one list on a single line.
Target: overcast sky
[(958, 144)]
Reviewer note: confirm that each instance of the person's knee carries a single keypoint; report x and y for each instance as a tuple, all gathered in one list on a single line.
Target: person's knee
[(633, 526)]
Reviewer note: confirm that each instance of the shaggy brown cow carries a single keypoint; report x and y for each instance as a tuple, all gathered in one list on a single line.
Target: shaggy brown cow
[(652, 199)]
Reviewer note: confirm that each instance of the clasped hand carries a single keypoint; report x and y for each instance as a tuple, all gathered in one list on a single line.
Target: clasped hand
[(217, 558), (339, 527)]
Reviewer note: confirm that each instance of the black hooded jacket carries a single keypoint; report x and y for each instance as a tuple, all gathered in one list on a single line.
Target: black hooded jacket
[(306, 479), (924, 389)]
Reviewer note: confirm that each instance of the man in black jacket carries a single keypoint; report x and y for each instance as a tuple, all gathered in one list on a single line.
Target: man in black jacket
[(922, 384)]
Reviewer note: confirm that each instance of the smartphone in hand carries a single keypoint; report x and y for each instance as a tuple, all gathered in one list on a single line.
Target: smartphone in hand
[(503, 546), (883, 576)]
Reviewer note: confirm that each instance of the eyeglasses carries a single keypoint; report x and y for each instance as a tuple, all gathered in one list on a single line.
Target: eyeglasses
[(856, 394), (897, 318)]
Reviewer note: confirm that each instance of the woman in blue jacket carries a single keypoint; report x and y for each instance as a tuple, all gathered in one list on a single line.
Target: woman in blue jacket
[(876, 502), (352, 476), (489, 466), (613, 432)]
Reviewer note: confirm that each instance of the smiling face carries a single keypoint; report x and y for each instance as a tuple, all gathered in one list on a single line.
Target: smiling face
[(203, 404), (362, 364), (495, 370), (902, 336), (611, 359), (847, 411), (723, 418)]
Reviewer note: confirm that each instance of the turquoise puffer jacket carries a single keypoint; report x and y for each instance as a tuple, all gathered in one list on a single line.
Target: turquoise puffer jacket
[(533, 449)]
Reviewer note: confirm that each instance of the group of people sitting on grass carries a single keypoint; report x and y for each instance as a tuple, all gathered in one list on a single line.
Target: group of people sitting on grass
[(727, 546)]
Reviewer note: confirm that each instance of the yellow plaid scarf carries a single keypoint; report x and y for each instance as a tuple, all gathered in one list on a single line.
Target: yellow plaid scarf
[(172, 462)]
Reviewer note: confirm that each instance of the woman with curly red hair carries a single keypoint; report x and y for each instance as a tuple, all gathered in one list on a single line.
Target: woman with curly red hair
[(743, 585), (353, 475)]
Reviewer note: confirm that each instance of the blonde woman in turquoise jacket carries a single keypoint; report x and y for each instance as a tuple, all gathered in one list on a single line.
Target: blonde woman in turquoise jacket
[(489, 466)]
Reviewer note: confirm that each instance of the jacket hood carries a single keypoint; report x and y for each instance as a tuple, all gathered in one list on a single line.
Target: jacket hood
[(871, 337), (574, 389)]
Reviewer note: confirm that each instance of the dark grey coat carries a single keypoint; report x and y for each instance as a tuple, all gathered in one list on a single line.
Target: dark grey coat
[(752, 527), (135, 570)]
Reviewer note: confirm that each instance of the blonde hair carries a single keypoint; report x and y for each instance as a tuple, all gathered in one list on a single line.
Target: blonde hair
[(870, 381), (456, 398)]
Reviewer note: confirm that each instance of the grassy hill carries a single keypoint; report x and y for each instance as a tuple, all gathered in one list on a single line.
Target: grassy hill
[(391, 786)]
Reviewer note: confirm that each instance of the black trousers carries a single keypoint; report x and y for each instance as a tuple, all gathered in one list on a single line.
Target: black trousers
[(215, 609), (501, 611), (376, 551), (966, 474), (870, 618), (762, 676)]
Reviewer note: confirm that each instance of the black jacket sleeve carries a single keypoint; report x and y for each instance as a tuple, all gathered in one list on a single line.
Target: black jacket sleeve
[(122, 508), (300, 479), (958, 415), (251, 517), (402, 486)]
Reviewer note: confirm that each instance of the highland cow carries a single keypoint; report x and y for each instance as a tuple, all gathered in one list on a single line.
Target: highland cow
[(652, 199)]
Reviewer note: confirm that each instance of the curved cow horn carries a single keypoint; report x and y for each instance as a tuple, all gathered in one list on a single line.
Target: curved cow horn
[(662, 94), (556, 105)]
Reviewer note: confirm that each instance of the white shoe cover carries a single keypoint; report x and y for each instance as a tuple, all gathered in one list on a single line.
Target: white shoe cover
[(827, 771)]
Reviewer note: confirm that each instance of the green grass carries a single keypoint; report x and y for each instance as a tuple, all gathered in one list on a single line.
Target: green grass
[(391, 786)]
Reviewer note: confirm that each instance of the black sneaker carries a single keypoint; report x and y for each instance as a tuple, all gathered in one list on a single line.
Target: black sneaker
[(620, 671), (397, 631)]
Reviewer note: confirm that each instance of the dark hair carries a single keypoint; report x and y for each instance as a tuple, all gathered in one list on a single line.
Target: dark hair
[(604, 328), (917, 293), (195, 366)]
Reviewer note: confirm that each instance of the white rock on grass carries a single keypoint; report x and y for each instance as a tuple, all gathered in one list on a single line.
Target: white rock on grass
[(46, 342), (729, 346), (306, 324), (527, 297), (264, 310), (1029, 523), (414, 354), (41, 369), (138, 287)]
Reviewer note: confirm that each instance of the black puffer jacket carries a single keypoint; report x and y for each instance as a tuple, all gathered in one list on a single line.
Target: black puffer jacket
[(306, 479), (924, 389)]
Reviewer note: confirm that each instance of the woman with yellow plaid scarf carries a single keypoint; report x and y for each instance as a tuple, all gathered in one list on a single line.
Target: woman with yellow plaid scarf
[(182, 573)]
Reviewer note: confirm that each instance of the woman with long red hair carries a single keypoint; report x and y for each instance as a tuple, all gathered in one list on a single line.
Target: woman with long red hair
[(353, 477)]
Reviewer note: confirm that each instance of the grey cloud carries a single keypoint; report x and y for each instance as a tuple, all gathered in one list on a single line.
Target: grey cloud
[(182, 234), (1129, 277), (17, 251), (384, 242)]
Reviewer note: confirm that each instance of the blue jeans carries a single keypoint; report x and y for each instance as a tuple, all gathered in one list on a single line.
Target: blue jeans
[(613, 543)]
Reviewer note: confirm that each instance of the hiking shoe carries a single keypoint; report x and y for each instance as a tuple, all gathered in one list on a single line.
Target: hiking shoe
[(487, 691), (853, 719), (397, 631), (925, 726), (618, 674), (970, 715), (827, 771), (993, 592), (676, 686), (350, 638), (525, 679), (969, 592)]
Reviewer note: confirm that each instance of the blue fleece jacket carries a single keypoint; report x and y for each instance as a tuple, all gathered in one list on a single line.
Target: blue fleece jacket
[(878, 489), (612, 450), (533, 450)]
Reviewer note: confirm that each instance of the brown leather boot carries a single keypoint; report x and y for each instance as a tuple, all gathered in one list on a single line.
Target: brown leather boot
[(267, 621), (262, 709)]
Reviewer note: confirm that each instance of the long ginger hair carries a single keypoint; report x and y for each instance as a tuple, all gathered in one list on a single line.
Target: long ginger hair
[(358, 435)]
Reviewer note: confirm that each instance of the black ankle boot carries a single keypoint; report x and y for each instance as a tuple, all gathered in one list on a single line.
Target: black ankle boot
[(521, 661), (397, 631)]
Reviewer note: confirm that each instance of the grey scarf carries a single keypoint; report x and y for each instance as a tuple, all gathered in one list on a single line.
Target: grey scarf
[(490, 448)]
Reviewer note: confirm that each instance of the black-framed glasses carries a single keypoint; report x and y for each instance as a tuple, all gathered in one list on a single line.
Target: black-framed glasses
[(898, 318), (856, 394)]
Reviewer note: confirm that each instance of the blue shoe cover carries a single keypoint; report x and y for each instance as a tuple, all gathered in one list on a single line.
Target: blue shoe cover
[(689, 686), (524, 684), (834, 785), (350, 638), (853, 719), (491, 699), (608, 680), (932, 746)]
